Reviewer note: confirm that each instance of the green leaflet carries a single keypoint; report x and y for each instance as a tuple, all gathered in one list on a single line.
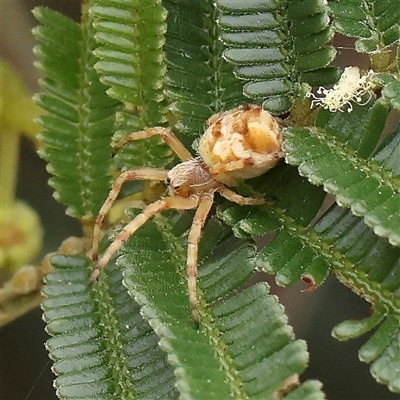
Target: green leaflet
[(340, 241), (311, 33), (131, 37), (375, 23), (243, 338), (255, 45), (384, 368), (291, 255), (131, 63), (164, 62), (274, 57), (360, 129), (199, 82), (388, 152), (373, 265), (367, 186), (382, 347), (101, 346), (390, 89), (80, 120)]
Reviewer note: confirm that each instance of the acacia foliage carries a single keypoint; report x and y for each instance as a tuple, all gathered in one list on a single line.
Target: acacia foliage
[(128, 66)]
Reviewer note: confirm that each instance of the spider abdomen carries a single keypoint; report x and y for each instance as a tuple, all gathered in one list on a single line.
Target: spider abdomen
[(240, 144)]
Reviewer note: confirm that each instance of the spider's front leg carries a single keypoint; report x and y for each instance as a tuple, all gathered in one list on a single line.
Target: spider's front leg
[(168, 136), (141, 174), (178, 203)]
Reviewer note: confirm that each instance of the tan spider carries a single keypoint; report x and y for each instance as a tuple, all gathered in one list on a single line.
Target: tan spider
[(238, 144)]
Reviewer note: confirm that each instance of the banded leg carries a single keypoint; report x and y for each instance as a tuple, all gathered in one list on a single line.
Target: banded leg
[(133, 174), (168, 136), (204, 206), (166, 203)]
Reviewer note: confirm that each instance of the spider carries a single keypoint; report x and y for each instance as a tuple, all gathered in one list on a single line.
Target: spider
[(238, 144)]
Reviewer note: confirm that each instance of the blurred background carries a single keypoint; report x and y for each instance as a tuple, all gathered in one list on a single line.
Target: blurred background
[(24, 365)]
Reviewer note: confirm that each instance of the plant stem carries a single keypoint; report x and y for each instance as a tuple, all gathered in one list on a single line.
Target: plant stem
[(9, 142)]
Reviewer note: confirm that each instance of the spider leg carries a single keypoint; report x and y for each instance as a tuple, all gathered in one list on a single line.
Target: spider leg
[(168, 136), (141, 174), (238, 199), (178, 203), (205, 203)]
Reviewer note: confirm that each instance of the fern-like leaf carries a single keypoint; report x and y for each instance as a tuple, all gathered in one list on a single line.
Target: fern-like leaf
[(375, 23), (291, 255), (370, 266), (375, 264), (244, 340), (274, 66), (168, 68), (131, 63), (367, 186), (199, 82), (77, 131), (100, 345), (339, 242), (382, 347)]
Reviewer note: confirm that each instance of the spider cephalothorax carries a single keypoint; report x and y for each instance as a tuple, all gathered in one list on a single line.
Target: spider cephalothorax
[(238, 144), (190, 177)]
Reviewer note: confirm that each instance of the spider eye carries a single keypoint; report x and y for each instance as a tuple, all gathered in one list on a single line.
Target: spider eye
[(171, 184)]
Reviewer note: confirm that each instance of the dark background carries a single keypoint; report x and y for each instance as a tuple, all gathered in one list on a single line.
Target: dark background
[(24, 365)]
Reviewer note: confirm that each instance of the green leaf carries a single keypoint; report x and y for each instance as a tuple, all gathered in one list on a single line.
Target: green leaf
[(97, 331), (291, 254), (199, 82), (388, 152), (101, 346), (366, 263), (370, 267), (382, 347), (380, 340), (384, 368), (364, 185), (390, 89), (164, 62), (375, 23), (360, 129), (311, 34), (80, 120), (243, 338), (350, 329), (339, 241), (362, 261), (131, 64), (276, 57), (131, 38)]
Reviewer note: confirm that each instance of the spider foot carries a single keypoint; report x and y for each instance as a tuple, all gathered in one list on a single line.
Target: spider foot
[(196, 317), (95, 274)]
